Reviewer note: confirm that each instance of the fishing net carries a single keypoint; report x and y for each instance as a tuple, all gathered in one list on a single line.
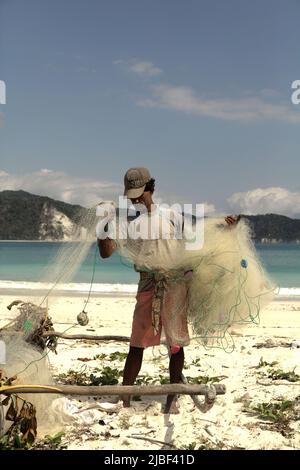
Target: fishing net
[(25, 337), (216, 285)]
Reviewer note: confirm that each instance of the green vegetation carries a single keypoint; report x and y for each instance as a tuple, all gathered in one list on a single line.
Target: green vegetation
[(204, 379), (50, 442), (277, 414), (263, 363), (117, 356), (108, 376), (280, 374), (22, 213), (277, 374)]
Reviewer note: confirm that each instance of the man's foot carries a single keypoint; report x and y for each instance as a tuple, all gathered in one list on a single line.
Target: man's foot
[(172, 405), (126, 401)]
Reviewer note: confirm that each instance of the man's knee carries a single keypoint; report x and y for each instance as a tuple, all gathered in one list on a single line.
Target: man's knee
[(176, 349)]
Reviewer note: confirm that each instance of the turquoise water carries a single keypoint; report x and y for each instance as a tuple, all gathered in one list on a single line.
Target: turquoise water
[(26, 261), (20, 261)]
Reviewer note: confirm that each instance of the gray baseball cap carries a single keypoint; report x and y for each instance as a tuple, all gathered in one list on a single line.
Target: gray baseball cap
[(135, 180)]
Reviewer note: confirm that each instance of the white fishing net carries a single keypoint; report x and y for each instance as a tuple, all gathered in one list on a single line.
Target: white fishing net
[(223, 282), (27, 353)]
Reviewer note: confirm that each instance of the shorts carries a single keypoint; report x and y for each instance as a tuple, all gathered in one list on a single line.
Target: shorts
[(173, 318)]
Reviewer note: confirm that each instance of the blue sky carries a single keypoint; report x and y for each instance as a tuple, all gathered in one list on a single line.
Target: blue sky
[(199, 91)]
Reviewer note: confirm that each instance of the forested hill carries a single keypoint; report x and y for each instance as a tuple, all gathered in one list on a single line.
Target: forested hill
[(25, 216)]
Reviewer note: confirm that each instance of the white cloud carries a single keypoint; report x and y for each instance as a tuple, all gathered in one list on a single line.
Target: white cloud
[(76, 190), (268, 200), (184, 99), (264, 105), (61, 186), (145, 69)]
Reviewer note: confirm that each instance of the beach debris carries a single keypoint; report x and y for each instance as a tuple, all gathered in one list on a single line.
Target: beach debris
[(270, 343), (106, 407), (21, 413), (245, 399), (153, 441), (33, 321)]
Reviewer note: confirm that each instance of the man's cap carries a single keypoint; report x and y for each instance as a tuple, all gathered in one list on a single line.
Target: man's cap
[(135, 181)]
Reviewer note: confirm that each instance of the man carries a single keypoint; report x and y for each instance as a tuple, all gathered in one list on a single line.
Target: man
[(155, 298)]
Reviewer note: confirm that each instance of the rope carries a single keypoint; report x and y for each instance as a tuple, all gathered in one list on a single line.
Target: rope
[(92, 279)]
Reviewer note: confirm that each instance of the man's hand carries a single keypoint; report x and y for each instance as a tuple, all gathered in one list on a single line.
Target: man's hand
[(106, 247), (232, 219)]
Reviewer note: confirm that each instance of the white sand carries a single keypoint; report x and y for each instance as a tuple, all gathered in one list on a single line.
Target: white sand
[(225, 425)]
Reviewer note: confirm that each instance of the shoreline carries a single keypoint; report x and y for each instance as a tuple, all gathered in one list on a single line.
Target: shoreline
[(8, 287), (40, 241)]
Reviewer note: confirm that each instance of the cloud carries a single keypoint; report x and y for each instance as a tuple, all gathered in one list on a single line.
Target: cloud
[(145, 69), (142, 68), (265, 105), (184, 99), (76, 190), (268, 200), (61, 186)]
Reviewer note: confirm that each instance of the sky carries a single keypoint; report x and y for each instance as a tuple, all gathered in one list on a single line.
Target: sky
[(198, 91)]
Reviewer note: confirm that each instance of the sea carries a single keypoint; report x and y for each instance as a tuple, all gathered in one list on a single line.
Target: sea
[(23, 266)]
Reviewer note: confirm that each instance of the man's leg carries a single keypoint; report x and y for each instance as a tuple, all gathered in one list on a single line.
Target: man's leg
[(175, 368), (132, 367)]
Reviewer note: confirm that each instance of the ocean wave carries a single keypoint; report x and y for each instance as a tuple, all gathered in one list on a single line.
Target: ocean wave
[(70, 287), (84, 288)]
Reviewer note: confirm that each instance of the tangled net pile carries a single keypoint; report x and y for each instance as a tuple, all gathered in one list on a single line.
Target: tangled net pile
[(27, 349)]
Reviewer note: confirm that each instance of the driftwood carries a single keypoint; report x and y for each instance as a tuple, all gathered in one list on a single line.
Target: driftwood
[(125, 339), (87, 337), (169, 389), (153, 441)]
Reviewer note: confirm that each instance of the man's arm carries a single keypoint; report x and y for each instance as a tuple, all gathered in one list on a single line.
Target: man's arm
[(106, 247)]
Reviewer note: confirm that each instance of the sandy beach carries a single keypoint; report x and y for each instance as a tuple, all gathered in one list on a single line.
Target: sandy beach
[(231, 423)]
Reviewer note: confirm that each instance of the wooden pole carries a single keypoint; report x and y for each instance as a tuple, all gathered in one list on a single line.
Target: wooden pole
[(169, 389)]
